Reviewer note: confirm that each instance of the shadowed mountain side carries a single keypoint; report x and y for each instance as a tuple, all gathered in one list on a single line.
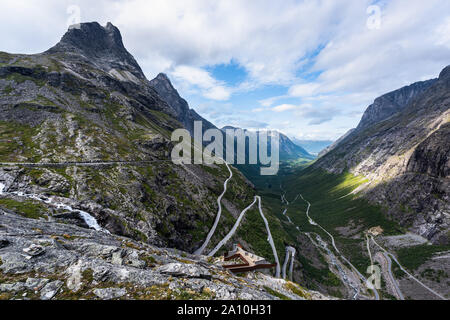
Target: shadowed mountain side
[(411, 142)]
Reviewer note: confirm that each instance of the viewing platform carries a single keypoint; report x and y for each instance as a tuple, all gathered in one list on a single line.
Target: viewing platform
[(250, 261)]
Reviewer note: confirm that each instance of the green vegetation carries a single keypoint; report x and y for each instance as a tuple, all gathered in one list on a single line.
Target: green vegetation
[(321, 275), (297, 290), (28, 208), (8, 89), (17, 140), (413, 257), (276, 293), (332, 206)]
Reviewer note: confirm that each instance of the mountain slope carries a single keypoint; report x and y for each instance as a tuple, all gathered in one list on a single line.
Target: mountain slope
[(86, 105), (393, 102), (291, 151), (335, 144), (288, 149), (67, 262), (404, 155)]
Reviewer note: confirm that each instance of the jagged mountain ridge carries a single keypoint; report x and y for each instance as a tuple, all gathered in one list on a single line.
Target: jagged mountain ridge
[(183, 113), (393, 102), (93, 103), (100, 44), (384, 107), (402, 148), (288, 149)]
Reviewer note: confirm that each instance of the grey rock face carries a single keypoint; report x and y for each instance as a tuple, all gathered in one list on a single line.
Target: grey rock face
[(110, 293), (12, 287), (186, 271), (50, 289), (432, 156), (183, 113), (102, 44), (393, 102), (92, 264)]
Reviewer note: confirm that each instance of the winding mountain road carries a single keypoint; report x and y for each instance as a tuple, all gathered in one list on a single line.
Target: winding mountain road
[(232, 231), (406, 271), (394, 282), (236, 225), (312, 222), (211, 232), (200, 250), (386, 266), (368, 250), (270, 239), (290, 254)]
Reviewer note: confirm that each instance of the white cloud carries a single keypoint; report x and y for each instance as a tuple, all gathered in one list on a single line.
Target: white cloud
[(317, 114), (258, 110), (217, 93), (321, 52), (267, 102), (209, 87), (306, 89), (402, 51), (442, 33), (284, 107)]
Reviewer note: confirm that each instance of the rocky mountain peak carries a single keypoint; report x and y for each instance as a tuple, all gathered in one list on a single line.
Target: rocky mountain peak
[(163, 77), (164, 87), (445, 74), (162, 83), (101, 45), (393, 102)]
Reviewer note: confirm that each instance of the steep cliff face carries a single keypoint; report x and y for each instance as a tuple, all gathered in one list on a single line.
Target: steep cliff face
[(183, 113), (404, 154), (432, 156), (392, 102)]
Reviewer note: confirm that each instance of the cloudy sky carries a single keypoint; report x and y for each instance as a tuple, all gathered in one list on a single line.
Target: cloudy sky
[(308, 68)]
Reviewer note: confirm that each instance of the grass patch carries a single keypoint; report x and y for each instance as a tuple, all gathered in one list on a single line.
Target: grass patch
[(413, 257), (276, 293), (297, 290), (28, 208), (16, 140)]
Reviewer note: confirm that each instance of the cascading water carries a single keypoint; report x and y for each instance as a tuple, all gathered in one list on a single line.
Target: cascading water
[(88, 219)]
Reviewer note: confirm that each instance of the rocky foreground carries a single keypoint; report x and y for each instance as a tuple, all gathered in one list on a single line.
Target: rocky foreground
[(47, 260)]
